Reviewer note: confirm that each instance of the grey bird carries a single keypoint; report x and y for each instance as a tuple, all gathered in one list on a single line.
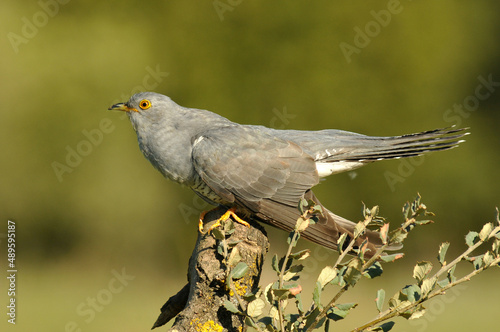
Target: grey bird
[(260, 171)]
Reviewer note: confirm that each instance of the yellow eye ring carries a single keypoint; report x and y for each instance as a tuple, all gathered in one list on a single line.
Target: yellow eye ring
[(144, 104)]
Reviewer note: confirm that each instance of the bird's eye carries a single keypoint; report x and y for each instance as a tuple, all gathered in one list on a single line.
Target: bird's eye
[(145, 104)]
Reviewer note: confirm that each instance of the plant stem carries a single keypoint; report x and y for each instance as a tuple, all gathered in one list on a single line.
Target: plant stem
[(348, 249), (241, 303), (390, 313), (281, 276)]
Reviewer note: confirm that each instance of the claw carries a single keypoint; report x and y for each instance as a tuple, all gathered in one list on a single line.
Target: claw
[(200, 222), (229, 213)]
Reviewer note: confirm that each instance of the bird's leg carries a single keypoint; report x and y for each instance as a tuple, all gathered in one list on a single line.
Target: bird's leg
[(229, 213)]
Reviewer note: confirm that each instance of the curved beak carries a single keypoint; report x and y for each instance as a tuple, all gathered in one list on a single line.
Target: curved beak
[(121, 107)]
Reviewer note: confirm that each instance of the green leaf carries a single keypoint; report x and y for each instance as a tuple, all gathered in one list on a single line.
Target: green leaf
[(423, 222), (228, 226), (398, 236), (231, 244), (427, 286), (255, 308), (495, 247), (477, 261), (394, 301), (379, 300), (391, 258), (417, 314), (253, 294), (362, 249), (220, 248), (385, 327), (218, 234), (470, 238), (421, 270), (317, 209), (406, 210), (268, 293), (311, 317), (313, 219), (375, 270), (317, 294), (451, 274), (302, 224), (340, 311), (274, 263), (359, 229), (336, 314), (298, 303), (442, 252), (339, 279), (274, 313), (303, 205), (488, 258), (346, 306), (353, 273), (293, 238), (291, 318), (234, 257), (292, 272), (327, 275), (300, 255), (416, 204), (486, 231), (281, 294), (443, 283), (288, 264), (250, 322), (231, 307), (239, 270), (340, 242), (384, 232), (401, 299), (410, 293)]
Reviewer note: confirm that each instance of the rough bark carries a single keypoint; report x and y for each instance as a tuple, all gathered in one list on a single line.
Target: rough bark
[(199, 306)]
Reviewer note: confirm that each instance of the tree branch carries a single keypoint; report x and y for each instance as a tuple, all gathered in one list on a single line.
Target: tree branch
[(204, 307)]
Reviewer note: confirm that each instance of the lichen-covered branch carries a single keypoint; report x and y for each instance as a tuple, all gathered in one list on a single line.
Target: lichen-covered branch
[(209, 266)]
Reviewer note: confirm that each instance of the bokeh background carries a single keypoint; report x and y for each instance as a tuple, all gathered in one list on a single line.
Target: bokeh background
[(88, 206)]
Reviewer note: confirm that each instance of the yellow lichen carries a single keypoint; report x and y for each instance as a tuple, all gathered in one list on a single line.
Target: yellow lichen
[(208, 326), (241, 287)]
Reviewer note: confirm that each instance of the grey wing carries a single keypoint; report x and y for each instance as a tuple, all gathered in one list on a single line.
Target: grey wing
[(242, 164), (268, 176)]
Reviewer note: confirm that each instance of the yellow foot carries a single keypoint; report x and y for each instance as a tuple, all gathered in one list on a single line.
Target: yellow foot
[(229, 213)]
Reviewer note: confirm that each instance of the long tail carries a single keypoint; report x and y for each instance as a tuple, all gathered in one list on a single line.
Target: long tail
[(362, 148)]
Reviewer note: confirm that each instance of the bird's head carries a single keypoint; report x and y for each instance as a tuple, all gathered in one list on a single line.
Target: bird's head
[(147, 108)]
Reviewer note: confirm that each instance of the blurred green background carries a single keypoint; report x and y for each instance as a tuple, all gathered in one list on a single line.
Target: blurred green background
[(82, 219)]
